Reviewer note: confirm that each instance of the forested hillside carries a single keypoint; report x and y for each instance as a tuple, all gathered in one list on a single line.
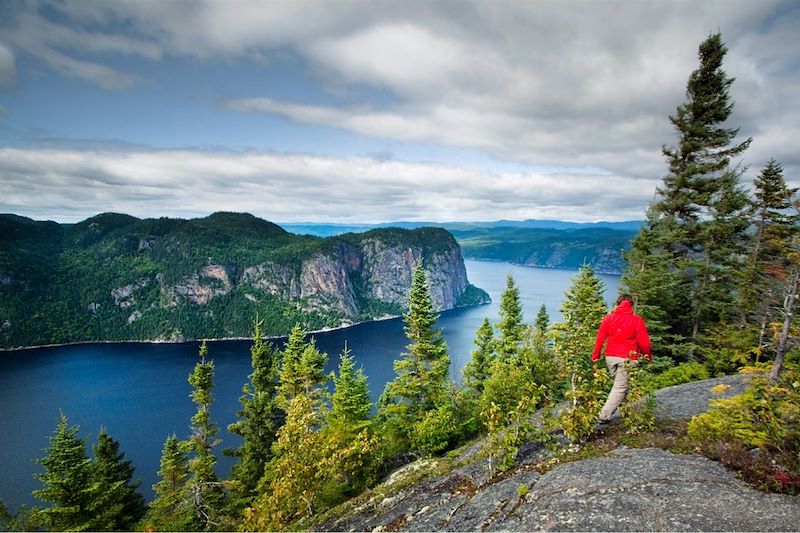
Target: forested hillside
[(116, 277), (602, 248), (539, 243)]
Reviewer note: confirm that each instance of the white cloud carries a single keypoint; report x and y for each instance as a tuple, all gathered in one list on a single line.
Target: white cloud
[(569, 84), (69, 185)]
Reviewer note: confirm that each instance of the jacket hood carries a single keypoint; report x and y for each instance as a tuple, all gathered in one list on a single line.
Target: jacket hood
[(624, 307)]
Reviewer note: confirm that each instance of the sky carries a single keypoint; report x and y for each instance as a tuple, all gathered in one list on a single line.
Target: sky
[(355, 111)]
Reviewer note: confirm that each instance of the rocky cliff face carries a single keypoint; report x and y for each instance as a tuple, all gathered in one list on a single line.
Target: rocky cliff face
[(116, 277), (341, 279), (388, 270)]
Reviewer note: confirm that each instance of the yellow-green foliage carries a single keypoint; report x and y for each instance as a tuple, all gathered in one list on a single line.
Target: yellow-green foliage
[(639, 408), (766, 416), (294, 478), (435, 431), (510, 397), (728, 348), (587, 397)]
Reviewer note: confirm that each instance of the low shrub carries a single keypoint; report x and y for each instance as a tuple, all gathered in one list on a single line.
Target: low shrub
[(757, 432), (676, 375)]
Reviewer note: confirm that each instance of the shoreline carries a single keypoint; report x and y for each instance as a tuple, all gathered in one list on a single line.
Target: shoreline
[(604, 272), (186, 341), (214, 339)]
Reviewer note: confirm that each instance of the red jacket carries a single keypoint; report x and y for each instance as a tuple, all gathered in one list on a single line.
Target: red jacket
[(626, 333)]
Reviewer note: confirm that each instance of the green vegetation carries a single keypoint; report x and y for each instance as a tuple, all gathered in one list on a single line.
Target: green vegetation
[(85, 494), (765, 419), (258, 420), (546, 247), (305, 450), (583, 309), (115, 277), (415, 408)]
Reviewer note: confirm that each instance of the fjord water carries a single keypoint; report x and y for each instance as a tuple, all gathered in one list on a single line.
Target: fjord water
[(139, 391)]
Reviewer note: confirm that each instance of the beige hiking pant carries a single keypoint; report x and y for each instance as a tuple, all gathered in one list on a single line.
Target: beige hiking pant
[(616, 366)]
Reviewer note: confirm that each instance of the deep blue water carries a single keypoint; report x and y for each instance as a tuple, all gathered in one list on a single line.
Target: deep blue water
[(139, 392)]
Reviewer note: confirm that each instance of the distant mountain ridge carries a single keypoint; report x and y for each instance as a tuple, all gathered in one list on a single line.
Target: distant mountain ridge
[(328, 229), (117, 277), (539, 243)]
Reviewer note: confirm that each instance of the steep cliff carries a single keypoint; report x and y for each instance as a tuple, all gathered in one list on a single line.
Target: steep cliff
[(115, 277)]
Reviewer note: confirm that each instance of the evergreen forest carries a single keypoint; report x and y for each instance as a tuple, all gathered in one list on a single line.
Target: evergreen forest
[(714, 272)]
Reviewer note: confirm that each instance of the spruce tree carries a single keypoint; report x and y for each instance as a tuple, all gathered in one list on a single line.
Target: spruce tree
[(694, 227), (420, 385), (171, 510), (294, 477), (302, 461), (542, 320), (510, 325), (760, 291), (295, 371), (479, 368), (115, 503), (583, 309), (348, 432), (203, 486), (67, 481), (312, 367), (258, 420), (724, 241), (350, 402)]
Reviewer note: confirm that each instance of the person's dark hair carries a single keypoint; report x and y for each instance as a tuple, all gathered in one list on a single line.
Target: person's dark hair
[(623, 297)]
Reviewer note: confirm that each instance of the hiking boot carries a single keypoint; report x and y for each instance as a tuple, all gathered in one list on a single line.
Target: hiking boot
[(601, 424)]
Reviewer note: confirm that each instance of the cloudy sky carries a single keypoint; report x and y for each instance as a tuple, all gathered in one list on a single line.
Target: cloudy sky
[(340, 111)]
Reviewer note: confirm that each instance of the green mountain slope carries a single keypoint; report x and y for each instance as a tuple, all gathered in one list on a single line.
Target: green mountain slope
[(552, 248), (116, 277)]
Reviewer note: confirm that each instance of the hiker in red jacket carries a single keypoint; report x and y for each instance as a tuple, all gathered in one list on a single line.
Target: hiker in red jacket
[(627, 339)]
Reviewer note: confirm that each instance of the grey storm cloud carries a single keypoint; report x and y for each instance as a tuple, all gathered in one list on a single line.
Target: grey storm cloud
[(547, 84)]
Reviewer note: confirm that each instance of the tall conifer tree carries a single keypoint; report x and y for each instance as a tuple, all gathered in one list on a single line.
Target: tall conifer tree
[(542, 320), (302, 367), (115, 503), (510, 325), (258, 420), (203, 486), (694, 227), (479, 368), (583, 310), (349, 433), (350, 402), (67, 481), (171, 510), (761, 287), (420, 385)]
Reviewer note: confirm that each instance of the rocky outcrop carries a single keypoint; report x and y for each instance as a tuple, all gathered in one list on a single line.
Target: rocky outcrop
[(213, 280), (124, 296), (278, 280), (624, 490), (341, 279), (388, 270)]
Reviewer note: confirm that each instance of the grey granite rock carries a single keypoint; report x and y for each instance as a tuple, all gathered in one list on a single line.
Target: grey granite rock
[(682, 402), (625, 490)]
